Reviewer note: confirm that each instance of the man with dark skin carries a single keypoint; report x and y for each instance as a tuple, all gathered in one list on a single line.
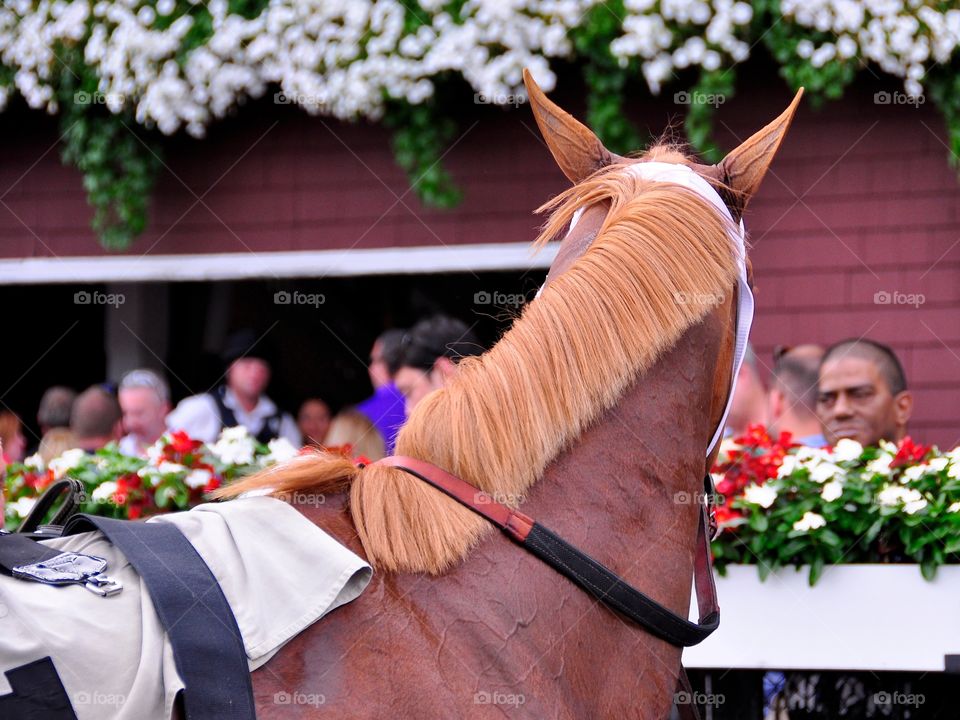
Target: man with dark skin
[(862, 393)]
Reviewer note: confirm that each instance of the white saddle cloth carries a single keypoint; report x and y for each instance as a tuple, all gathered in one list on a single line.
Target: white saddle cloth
[(279, 572)]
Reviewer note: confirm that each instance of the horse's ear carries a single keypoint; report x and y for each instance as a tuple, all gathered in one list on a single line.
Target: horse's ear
[(578, 152), (743, 169)]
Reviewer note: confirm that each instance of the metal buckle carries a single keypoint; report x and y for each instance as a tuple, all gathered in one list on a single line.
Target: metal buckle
[(103, 585), (69, 568)]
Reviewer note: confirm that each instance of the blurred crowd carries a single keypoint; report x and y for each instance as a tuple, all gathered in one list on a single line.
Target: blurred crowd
[(404, 367), (853, 389)]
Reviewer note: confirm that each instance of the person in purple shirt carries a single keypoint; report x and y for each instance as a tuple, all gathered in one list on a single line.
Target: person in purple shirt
[(385, 408)]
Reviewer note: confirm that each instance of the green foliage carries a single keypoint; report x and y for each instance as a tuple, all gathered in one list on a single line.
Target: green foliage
[(860, 525), (782, 38), (943, 86), (421, 134), (118, 165), (711, 90), (605, 78)]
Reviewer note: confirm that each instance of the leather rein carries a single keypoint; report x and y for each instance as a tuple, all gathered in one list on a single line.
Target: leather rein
[(605, 585)]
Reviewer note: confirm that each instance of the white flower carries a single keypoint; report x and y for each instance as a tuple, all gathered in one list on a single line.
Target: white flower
[(787, 467), (235, 446), (198, 478), (23, 506), (809, 521), (281, 450), (914, 473), (955, 507), (890, 495), (104, 491), (167, 468), (762, 495), (34, 461), (939, 464), (235, 433), (847, 449), (880, 465), (155, 451), (831, 491), (893, 495), (67, 461), (823, 472)]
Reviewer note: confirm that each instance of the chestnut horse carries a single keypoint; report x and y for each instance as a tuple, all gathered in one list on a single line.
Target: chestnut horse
[(594, 411)]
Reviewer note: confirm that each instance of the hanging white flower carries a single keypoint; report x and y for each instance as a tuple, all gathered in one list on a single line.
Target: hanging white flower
[(955, 507), (809, 521), (762, 495), (831, 491)]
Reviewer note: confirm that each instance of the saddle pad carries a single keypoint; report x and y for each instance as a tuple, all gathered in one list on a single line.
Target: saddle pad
[(279, 572)]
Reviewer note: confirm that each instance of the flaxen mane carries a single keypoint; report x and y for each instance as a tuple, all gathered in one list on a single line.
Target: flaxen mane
[(568, 358)]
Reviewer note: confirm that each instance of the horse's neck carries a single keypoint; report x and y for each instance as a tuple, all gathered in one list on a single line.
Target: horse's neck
[(627, 491)]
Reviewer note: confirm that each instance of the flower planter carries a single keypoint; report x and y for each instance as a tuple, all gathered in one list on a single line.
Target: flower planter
[(857, 617)]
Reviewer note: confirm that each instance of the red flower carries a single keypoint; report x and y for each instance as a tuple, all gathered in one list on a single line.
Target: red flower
[(182, 443), (909, 452)]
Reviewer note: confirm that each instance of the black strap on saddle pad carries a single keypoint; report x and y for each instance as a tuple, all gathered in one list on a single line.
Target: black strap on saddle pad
[(207, 644)]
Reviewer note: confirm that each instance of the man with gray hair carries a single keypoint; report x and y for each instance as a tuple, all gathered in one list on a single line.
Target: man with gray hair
[(145, 401)]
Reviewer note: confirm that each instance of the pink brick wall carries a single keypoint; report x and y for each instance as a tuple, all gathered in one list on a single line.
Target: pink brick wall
[(860, 201)]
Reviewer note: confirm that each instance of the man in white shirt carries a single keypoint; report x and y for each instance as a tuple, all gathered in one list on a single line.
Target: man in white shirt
[(145, 401), (241, 401)]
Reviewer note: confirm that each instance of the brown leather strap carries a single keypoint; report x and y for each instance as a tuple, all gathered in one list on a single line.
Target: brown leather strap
[(518, 525), (684, 698), (507, 519)]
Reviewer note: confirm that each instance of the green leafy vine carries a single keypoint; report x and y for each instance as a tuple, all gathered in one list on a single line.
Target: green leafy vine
[(605, 78), (119, 165), (421, 134)]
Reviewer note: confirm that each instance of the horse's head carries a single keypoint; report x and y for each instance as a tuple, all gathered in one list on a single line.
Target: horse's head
[(728, 186)]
